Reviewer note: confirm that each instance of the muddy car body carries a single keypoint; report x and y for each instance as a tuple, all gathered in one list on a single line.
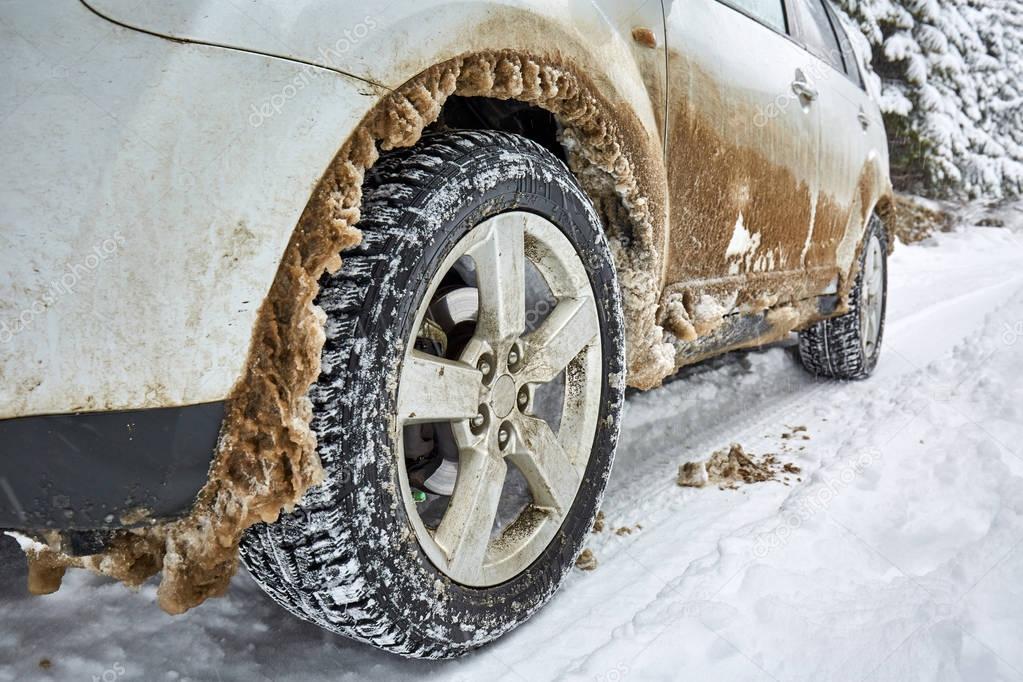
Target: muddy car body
[(182, 177)]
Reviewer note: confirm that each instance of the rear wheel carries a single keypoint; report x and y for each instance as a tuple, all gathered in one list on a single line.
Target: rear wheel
[(848, 347), (468, 410)]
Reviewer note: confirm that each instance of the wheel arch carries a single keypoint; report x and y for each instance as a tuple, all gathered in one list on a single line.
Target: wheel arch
[(267, 457), (612, 146), (887, 212), (603, 87)]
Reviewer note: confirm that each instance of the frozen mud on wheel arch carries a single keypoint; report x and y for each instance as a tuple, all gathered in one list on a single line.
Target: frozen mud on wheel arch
[(267, 458), (350, 557)]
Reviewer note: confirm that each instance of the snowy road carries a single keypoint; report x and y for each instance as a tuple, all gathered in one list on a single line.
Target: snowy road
[(897, 556)]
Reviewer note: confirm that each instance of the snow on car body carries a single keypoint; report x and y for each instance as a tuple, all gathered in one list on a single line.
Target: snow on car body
[(161, 157)]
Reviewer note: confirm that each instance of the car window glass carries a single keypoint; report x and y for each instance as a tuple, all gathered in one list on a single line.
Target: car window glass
[(816, 32), (852, 68), (770, 12)]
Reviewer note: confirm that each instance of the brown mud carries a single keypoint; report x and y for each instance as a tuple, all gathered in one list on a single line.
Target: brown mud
[(917, 220), (266, 457), (728, 468), (747, 231), (587, 561)]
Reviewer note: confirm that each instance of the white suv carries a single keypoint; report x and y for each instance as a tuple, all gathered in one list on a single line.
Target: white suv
[(354, 292)]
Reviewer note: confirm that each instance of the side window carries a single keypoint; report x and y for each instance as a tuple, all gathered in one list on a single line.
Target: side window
[(816, 32), (852, 67), (769, 12)]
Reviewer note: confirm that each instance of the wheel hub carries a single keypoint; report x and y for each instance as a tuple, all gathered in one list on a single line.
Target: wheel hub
[(502, 396)]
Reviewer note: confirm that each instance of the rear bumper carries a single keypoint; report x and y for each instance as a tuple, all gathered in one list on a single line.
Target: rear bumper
[(105, 470)]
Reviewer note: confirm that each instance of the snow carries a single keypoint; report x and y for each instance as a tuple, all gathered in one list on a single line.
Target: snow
[(952, 87), (742, 247), (742, 241), (897, 555)]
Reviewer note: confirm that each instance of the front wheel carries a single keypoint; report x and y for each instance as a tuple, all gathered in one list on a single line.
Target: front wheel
[(848, 347), (468, 410)]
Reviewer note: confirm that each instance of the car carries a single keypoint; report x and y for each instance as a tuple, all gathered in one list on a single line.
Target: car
[(353, 294)]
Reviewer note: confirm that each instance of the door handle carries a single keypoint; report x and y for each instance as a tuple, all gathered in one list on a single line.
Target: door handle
[(863, 119), (804, 90)]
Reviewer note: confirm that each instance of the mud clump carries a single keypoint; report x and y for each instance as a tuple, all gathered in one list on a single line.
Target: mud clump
[(916, 219), (45, 571), (693, 475), (728, 468), (796, 433), (598, 523), (645, 37), (587, 561), (266, 457)]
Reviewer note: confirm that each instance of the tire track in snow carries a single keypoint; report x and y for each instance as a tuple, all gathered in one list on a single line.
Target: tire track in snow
[(677, 595)]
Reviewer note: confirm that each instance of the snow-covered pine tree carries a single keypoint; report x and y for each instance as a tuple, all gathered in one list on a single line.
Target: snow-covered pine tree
[(952, 91)]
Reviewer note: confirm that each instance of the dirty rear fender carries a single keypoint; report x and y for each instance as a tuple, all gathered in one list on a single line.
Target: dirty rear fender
[(622, 78), (390, 45), (148, 192)]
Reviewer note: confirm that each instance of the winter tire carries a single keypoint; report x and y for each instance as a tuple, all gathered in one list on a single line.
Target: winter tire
[(477, 329), (848, 347)]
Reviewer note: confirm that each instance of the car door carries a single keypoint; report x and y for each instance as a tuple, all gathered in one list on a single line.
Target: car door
[(742, 160), (846, 119)]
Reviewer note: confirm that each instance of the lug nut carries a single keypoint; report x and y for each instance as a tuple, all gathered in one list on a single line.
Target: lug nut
[(484, 366), (502, 436), (513, 358), (523, 397), (478, 424)]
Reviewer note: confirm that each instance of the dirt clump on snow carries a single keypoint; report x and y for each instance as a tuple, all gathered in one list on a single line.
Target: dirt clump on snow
[(728, 468), (266, 457), (916, 219), (600, 525), (587, 561), (796, 433)]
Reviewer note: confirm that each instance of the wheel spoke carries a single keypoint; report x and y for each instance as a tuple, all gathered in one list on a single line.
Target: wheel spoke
[(571, 326), (434, 389), (876, 282), (464, 532), (552, 478), (500, 276)]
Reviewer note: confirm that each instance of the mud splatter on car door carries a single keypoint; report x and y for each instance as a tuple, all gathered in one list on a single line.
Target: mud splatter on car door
[(847, 173), (742, 158)]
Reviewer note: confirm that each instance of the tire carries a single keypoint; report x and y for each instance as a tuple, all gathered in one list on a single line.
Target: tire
[(848, 347), (348, 558)]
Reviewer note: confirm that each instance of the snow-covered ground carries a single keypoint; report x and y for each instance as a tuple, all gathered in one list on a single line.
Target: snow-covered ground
[(897, 556)]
